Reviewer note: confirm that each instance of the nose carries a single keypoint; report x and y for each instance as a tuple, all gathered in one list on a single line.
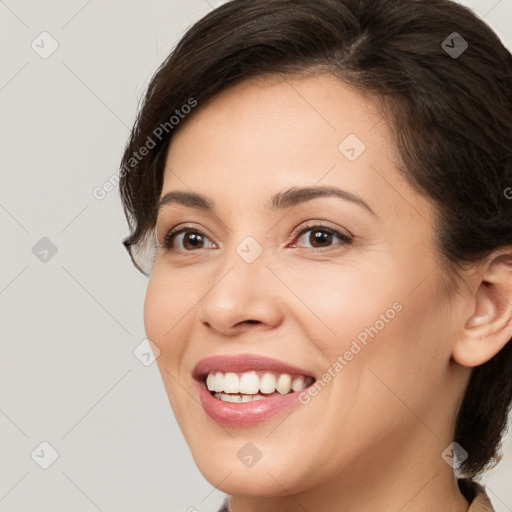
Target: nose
[(242, 296)]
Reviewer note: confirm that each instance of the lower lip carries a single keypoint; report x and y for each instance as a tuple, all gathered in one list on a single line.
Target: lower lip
[(244, 414)]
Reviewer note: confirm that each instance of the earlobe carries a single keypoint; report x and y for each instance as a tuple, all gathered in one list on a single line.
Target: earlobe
[(489, 328)]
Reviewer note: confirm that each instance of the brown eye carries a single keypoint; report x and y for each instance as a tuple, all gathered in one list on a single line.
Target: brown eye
[(192, 240), (320, 238), (188, 238), (323, 237)]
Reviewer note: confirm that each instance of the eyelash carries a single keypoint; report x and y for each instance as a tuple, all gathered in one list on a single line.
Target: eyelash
[(345, 239)]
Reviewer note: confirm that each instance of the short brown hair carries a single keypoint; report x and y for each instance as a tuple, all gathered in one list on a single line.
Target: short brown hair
[(450, 107)]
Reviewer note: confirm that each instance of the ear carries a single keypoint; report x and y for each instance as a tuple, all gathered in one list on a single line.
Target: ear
[(489, 327)]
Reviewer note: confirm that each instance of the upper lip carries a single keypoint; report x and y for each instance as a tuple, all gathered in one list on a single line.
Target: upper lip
[(244, 363)]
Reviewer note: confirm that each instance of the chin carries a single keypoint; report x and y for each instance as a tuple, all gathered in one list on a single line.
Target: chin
[(264, 480)]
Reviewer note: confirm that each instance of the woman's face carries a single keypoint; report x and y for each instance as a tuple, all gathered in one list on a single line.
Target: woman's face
[(357, 303)]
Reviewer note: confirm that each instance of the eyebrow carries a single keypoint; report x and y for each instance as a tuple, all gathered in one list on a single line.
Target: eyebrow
[(279, 201)]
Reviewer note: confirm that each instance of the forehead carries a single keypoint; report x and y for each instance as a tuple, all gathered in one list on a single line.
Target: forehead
[(273, 117), (267, 134)]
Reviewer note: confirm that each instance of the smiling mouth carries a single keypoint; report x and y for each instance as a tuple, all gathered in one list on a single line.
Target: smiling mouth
[(254, 385)]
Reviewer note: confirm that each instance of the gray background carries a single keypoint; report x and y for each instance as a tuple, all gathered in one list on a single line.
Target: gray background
[(70, 324)]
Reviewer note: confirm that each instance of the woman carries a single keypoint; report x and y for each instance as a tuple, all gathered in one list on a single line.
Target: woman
[(318, 191)]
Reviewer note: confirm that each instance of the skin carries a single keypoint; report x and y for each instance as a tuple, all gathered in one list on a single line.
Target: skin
[(371, 440)]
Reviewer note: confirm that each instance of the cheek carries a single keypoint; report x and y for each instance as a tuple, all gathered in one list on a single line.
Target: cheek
[(155, 315), (409, 355), (342, 303), (378, 317), (166, 306), (168, 326)]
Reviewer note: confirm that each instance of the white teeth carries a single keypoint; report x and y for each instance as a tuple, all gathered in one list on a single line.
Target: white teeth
[(298, 383), (284, 383), (231, 383), (219, 381), (238, 398), (210, 382), (249, 383), (267, 383), (230, 398)]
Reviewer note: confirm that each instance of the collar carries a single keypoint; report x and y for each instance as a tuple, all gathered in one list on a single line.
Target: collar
[(475, 493)]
